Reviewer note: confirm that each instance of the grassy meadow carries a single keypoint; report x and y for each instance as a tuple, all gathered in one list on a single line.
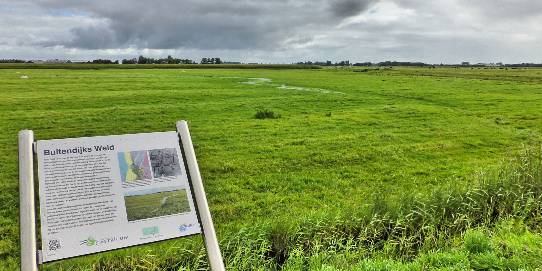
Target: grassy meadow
[(313, 169), (156, 204)]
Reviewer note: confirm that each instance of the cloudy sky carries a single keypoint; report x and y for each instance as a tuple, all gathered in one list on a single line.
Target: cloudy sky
[(275, 31)]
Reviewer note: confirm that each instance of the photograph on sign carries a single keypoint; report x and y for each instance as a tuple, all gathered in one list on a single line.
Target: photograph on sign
[(108, 192)]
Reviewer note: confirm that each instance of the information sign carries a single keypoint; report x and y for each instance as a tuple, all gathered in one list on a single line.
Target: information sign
[(108, 192)]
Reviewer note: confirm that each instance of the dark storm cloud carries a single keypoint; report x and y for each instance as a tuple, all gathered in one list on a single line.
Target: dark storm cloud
[(202, 24), (93, 37), (348, 8)]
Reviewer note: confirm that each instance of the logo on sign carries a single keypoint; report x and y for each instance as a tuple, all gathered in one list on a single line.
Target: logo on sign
[(90, 241), (185, 227), (150, 231)]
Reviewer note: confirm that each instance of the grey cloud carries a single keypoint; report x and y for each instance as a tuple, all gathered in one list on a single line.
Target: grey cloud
[(484, 9), (275, 31), (505, 9), (348, 8), (203, 24), (93, 37)]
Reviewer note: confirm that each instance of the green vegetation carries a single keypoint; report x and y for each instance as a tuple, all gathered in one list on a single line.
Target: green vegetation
[(266, 114), (156, 204), (372, 170)]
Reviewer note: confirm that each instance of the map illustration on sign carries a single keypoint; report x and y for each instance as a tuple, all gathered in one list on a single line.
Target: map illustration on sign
[(108, 192)]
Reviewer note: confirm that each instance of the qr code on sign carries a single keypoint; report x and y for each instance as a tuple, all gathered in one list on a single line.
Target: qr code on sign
[(54, 244)]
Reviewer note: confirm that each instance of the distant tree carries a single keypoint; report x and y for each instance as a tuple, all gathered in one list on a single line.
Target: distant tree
[(363, 64), (343, 63), (102, 61), (129, 61), (144, 60), (211, 60)]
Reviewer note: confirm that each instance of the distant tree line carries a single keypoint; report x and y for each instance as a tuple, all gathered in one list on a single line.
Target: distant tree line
[(103, 61), (363, 64), (399, 63), (347, 63), (524, 65), (129, 61), (149, 60), (463, 64), (392, 63), (168, 60), (216, 60), (213, 60), (325, 63), (12, 61), (416, 64)]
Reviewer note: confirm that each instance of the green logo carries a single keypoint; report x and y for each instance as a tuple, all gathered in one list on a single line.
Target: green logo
[(90, 241), (150, 231)]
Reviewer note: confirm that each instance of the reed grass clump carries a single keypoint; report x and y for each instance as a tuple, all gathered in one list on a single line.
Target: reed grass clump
[(402, 228)]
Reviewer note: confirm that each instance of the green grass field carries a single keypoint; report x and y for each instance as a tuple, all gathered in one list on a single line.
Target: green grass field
[(150, 205), (294, 192)]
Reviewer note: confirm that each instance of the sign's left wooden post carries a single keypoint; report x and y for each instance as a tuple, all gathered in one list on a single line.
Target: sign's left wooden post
[(27, 218)]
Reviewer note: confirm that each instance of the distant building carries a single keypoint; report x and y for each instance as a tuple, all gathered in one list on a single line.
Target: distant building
[(465, 63)]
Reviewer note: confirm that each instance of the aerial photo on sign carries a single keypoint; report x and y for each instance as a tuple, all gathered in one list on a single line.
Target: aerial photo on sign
[(107, 192)]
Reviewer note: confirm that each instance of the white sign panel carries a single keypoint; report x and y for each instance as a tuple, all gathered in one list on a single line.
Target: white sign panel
[(108, 192)]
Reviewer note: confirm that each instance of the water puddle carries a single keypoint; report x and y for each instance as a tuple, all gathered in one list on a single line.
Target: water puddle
[(257, 81), (267, 81), (320, 90)]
